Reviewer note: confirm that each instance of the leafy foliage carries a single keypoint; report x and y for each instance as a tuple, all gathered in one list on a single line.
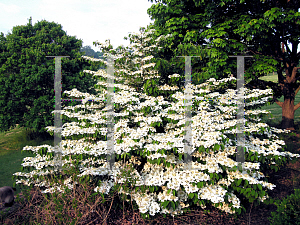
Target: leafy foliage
[(27, 76), (287, 210), (218, 29)]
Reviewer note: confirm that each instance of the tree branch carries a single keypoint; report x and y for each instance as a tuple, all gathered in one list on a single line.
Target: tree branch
[(297, 90), (282, 47), (293, 75), (259, 53), (296, 106), (280, 76), (279, 103), (294, 48)]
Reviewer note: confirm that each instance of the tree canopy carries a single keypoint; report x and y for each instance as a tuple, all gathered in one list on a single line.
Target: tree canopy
[(27, 94), (219, 28)]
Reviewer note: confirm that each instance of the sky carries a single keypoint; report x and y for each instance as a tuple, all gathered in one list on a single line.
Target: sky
[(89, 20)]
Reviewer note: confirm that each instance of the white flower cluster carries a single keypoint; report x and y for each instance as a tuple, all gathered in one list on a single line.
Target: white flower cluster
[(234, 200), (167, 87), (174, 75), (105, 45), (213, 193), (147, 58)]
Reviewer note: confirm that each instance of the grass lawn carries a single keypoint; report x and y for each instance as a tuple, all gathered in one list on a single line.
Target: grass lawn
[(275, 109), (11, 144)]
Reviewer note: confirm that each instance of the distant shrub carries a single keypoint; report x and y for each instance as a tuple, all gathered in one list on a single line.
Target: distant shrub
[(288, 210)]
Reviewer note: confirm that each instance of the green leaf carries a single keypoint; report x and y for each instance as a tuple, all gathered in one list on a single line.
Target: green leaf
[(173, 205), (195, 200), (216, 147), (239, 182), (191, 195), (151, 189), (200, 184), (165, 204), (259, 186)]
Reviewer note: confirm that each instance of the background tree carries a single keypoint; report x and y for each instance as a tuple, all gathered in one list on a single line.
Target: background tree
[(184, 20), (88, 51), (259, 28), (27, 76)]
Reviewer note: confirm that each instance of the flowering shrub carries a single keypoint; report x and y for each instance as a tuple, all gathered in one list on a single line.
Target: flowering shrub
[(149, 165)]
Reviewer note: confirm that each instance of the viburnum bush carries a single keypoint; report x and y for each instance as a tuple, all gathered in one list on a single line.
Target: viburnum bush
[(149, 167)]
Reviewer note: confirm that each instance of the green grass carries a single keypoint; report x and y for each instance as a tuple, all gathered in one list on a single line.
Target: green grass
[(275, 109), (11, 144), (13, 141), (271, 77)]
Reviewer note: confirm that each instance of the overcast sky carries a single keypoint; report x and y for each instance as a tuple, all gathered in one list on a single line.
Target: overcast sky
[(88, 20)]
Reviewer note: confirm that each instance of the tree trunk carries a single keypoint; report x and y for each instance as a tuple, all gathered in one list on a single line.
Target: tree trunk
[(288, 87), (288, 112)]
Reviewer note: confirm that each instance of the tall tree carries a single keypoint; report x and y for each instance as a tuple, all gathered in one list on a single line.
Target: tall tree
[(27, 77), (184, 21), (259, 28)]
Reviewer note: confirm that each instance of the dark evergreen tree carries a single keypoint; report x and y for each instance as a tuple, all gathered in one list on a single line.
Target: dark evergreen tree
[(27, 76)]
